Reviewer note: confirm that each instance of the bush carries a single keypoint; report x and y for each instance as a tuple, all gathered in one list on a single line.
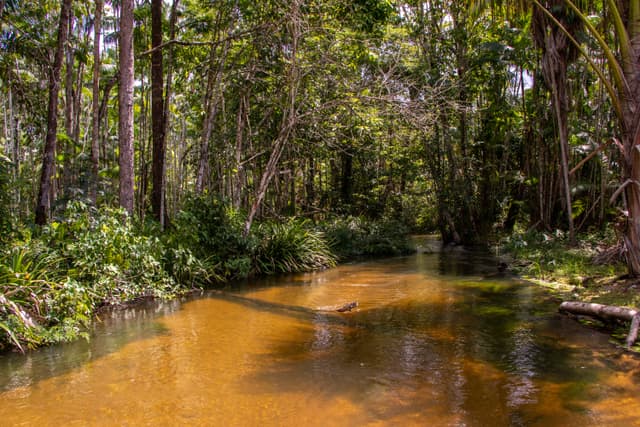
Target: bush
[(37, 306), (50, 285), (354, 237), (105, 252), (214, 233)]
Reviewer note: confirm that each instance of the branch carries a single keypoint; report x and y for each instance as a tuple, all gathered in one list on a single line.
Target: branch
[(210, 43), (590, 156)]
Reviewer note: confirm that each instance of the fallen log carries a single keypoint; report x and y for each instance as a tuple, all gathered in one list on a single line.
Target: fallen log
[(606, 313), (347, 307)]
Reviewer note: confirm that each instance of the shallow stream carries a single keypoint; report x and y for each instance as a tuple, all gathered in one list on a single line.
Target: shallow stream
[(438, 339)]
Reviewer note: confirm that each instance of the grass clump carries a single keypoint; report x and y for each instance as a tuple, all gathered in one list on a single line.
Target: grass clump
[(214, 233), (291, 246)]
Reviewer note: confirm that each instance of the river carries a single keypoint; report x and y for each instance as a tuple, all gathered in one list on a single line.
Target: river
[(438, 339)]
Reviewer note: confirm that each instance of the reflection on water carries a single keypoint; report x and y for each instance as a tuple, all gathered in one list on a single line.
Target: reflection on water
[(437, 339)]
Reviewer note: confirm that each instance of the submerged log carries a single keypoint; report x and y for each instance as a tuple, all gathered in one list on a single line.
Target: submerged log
[(348, 307), (606, 313)]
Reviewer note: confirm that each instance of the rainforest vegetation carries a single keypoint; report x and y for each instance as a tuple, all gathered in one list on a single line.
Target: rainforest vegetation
[(148, 147)]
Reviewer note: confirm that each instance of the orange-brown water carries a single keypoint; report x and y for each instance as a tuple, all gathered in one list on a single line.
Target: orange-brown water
[(434, 342)]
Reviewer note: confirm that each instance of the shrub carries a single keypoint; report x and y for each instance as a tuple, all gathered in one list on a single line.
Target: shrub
[(356, 237), (50, 284), (105, 252), (214, 233), (36, 305)]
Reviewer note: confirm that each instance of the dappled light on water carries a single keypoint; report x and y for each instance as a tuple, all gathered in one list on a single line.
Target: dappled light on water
[(431, 342)]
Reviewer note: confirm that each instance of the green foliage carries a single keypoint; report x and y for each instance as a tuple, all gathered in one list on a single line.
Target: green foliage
[(104, 250), (291, 247), (549, 257), (36, 306), (214, 233), (355, 237), (5, 200), (50, 284)]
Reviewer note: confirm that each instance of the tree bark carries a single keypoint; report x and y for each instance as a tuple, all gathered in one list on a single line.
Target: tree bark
[(43, 205), (95, 104), (125, 108), (157, 115), (168, 90), (69, 116)]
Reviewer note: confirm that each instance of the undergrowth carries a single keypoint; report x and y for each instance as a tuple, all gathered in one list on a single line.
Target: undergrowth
[(354, 237), (52, 279), (550, 258)]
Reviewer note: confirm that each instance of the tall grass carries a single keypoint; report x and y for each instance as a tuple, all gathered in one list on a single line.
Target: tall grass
[(291, 246)]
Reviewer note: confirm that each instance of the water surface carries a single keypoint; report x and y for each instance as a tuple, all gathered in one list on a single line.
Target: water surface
[(437, 339)]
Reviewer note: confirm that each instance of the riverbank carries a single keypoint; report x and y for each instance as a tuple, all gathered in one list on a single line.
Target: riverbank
[(591, 271), (54, 279)]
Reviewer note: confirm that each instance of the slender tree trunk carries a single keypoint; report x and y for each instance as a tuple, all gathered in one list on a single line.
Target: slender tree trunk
[(207, 126), (309, 186), (238, 176), (144, 138), (43, 205), (559, 96), (157, 114), (168, 88), (69, 116), (125, 98), (95, 104)]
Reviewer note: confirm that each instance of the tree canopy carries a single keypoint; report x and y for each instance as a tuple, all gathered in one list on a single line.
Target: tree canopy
[(468, 118)]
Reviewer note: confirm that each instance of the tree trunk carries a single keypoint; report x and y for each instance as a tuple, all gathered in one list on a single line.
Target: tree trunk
[(95, 105), (630, 99), (238, 176), (346, 184), (43, 205), (558, 77), (173, 19), (125, 98), (157, 115), (69, 115)]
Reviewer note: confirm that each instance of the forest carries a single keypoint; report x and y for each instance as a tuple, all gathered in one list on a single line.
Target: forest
[(150, 146)]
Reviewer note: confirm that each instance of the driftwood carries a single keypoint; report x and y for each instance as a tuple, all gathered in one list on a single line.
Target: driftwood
[(606, 313), (347, 307)]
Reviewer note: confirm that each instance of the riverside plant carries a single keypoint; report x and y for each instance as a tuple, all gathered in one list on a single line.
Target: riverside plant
[(52, 282), (291, 246)]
